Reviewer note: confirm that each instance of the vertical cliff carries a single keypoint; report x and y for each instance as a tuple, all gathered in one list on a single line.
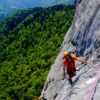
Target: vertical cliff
[(82, 38)]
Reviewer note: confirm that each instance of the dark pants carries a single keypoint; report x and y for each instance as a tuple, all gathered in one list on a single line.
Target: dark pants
[(71, 74)]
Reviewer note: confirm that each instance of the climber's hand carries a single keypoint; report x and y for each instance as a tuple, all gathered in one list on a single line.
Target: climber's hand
[(85, 62), (63, 76)]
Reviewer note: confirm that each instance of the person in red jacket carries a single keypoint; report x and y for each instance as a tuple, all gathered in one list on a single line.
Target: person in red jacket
[(69, 65)]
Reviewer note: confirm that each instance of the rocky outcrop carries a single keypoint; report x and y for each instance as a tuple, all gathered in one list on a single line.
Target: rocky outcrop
[(82, 38)]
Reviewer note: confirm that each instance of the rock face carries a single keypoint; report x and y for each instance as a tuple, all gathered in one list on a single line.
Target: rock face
[(82, 38)]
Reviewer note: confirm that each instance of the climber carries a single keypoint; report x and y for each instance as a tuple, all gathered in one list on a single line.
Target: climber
[(69, 65)]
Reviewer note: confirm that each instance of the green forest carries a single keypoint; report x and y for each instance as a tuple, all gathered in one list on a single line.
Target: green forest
[(29, 43)]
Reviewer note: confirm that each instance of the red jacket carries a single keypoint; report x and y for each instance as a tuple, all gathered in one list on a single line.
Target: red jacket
[(70, 66)]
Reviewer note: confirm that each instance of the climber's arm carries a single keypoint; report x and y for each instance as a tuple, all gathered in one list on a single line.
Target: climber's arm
[(64, 71), (64, 67), (81, 60)]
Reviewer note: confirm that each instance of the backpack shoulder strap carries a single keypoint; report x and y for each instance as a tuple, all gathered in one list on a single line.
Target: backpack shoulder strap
[(69, 59)]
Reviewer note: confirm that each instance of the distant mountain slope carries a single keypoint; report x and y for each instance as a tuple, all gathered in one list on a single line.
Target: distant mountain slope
[(29, 43), (8, 6)]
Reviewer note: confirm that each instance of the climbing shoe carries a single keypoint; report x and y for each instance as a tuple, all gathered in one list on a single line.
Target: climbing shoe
[(70, 81)]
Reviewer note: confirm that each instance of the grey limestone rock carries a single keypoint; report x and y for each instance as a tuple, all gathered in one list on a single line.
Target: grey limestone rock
[(85, 32)]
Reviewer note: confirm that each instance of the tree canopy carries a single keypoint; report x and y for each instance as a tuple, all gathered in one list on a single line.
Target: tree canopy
[(29, 43)]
